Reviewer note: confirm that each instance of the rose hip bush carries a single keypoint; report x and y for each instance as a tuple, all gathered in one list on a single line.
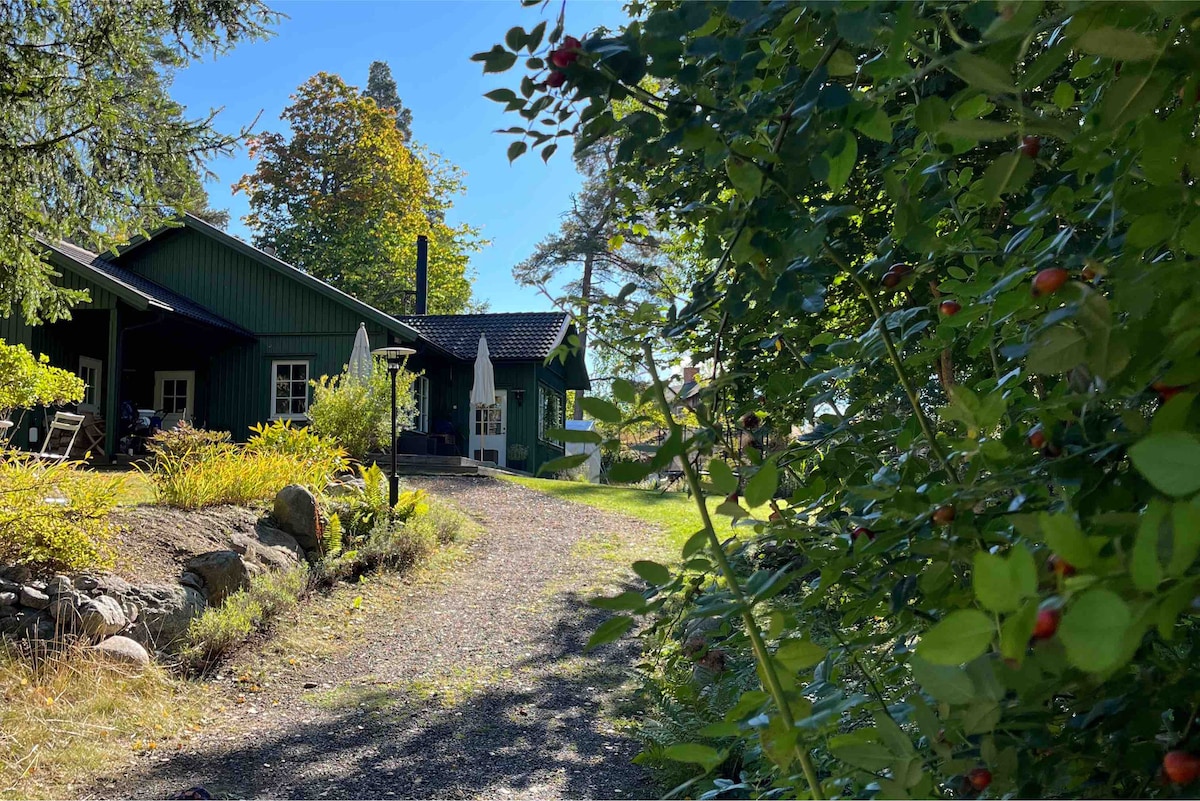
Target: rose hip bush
[(954, 245)]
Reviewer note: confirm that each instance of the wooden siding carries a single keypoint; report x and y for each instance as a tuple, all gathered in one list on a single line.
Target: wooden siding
[(292, 321)]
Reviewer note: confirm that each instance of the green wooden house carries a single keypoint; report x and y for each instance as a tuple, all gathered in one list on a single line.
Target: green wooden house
[(199, 325)]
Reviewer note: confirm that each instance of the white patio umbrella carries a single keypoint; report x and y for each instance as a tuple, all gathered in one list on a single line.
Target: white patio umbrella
[(483, 389), (362, 363)]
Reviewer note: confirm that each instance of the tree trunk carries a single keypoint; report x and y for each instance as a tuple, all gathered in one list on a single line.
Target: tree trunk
[(585, 293)]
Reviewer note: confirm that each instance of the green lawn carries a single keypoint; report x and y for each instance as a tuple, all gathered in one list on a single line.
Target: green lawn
[(674, 512)]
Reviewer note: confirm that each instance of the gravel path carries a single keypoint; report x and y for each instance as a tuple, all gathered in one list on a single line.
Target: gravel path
[(474, 686)]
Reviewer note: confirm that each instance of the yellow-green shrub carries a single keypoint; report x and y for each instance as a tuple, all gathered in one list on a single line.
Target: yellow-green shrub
[(323, 454), (55, 516)]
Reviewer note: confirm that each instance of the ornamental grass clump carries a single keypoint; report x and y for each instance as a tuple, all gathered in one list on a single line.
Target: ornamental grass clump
[(193, 468)]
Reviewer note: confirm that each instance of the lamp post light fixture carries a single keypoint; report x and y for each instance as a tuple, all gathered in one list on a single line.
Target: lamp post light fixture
[(395, 357)]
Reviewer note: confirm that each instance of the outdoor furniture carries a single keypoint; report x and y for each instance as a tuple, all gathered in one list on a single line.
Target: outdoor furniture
[(92, 433), (66, 425)]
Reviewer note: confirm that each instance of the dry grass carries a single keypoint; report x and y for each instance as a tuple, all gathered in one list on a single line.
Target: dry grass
[(65, 718)]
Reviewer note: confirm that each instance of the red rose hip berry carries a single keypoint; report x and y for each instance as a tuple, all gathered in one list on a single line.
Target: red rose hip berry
[(566, 54), (556, 79), (1181, 767), (949, 308), (943, 515), (1049, 281), (980, 778), (1046, 624), (1031, 146)]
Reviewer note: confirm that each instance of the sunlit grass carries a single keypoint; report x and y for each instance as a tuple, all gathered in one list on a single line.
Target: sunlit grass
[(675, 513)]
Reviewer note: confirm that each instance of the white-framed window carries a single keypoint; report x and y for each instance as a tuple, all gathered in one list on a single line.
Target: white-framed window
[(421, 396), (289, 390), (551, 407), (91, 371)]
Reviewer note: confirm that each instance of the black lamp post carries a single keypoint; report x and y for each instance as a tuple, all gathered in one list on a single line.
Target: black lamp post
[(395, 357)]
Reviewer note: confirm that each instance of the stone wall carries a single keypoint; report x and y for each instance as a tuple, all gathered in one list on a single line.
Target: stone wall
[(130, 621)]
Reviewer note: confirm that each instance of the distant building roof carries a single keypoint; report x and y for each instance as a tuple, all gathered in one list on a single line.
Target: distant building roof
[(130, 285), (510, 336)]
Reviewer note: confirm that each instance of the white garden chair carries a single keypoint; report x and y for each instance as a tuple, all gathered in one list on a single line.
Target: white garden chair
[(67, 423)]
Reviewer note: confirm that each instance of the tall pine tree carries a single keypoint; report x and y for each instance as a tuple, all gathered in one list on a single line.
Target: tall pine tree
[(381, 87)]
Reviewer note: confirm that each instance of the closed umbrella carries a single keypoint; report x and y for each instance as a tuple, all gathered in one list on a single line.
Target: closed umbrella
[(483, 389), (362, 363)]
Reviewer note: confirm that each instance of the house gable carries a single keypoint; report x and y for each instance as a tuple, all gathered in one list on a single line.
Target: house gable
[(248, 286)]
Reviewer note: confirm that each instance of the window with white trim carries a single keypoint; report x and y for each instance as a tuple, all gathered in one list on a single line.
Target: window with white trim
[(289, 390), (90, 372), (421, 397), (551, 407)]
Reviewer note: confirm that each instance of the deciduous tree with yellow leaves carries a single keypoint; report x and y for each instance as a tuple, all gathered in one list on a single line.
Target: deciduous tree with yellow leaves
[(344, 199)]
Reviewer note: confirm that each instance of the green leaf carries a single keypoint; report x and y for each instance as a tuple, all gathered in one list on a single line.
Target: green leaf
[(797, 655), (875, 125), (761, 486), (993, 583), (1185, 544), (1149, 230), (515, 150), (515, 38), (858, 750), (947, 683), (563, 463), (1016, 630), (1145, 568), (1057, 350), (496, 60), (1170, 461), (745, 176), (629, 601), (1008, 173), (959, 637), (624, 391), (982, 72), (1002, 583), (572, 435), (609, 631), (1116, 43), (627, 472), (1093, 628), (605, 411), (695, 753), (841, 154), (979, 130), (502, 95), (722, 477), (1062, 533), (652, 572)]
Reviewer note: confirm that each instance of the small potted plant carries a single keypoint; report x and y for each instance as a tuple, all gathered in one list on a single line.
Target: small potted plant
[(517, 454)]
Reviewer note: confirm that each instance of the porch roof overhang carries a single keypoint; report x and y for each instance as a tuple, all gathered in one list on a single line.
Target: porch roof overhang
[(139, 292)]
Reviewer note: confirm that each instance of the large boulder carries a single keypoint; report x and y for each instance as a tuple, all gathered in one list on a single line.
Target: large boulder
[(101, 617), (122, 650), (164, 613), (34, 598), (223, 572), (296, 513), (269, 547)]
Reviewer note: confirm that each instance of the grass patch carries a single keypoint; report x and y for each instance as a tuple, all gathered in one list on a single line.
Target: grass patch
[(223, 628), (675, 513), (66, 718)]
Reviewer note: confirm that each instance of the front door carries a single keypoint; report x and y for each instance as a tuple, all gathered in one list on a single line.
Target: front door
[(489, 430), (175, 395)]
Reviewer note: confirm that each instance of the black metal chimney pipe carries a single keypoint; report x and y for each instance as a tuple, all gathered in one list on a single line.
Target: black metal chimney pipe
[(422, 275)]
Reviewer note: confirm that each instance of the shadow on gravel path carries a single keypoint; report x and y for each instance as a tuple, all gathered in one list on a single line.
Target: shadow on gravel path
[(479, 689)]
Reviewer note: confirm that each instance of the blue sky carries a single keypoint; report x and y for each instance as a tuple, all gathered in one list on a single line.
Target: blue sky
[(428, 46)]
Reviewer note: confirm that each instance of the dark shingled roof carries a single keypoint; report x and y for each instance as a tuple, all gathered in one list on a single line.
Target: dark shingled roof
[(511, 336), (158, 296)]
